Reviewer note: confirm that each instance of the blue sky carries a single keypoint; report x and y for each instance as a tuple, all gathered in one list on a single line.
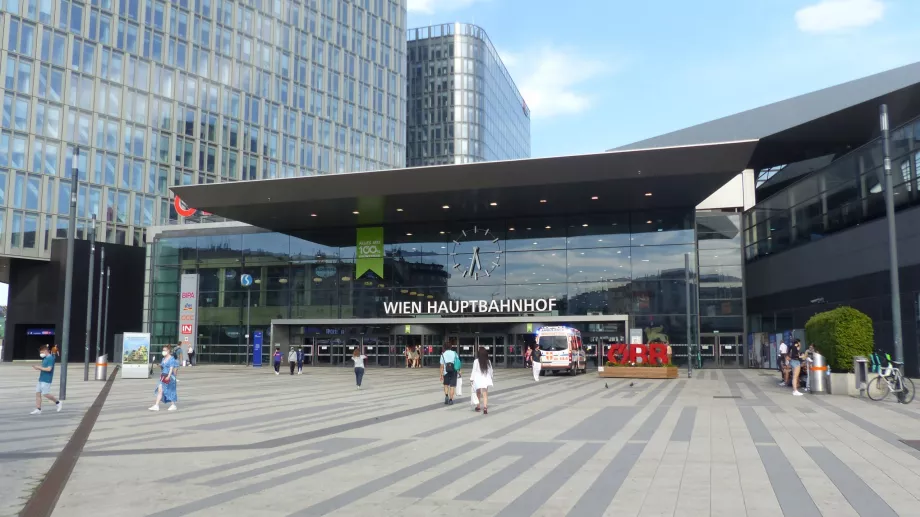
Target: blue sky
[(602, 73)]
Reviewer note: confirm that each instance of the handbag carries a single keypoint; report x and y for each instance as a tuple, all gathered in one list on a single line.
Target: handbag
[(474, 400), (459, 386), (164, 378)]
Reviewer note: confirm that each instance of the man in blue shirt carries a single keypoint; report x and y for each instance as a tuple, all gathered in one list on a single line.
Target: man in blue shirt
[(449, 373), (44, 380)]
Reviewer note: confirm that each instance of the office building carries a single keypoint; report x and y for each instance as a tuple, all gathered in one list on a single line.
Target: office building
[(156, 94), (463, 104)]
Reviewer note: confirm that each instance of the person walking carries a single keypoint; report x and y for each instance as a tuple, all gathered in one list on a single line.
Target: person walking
[(781, 361), (45, 376), (809, 361), (449, 372), (166, 388), (795, 362), (300, 361), (276, 359), (191, 354), (292, 359), (358, 359), (481, 379), (527, 357), (536, 357)]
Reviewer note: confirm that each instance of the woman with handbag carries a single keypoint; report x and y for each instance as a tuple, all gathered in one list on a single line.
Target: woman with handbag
[(166, 388), (481, 379)]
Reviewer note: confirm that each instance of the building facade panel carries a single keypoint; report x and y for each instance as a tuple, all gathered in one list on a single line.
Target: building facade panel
[(463, 105), (156, 94)]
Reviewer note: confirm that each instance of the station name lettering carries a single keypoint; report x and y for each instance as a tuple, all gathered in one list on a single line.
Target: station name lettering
[(471, 306)]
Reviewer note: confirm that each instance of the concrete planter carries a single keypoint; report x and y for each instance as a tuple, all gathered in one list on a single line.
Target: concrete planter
[(843, 384), (641, 372)]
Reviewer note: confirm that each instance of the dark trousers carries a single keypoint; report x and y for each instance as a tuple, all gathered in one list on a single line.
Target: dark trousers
[(277, 366), (292, 366), (191, 358), (359, 375)]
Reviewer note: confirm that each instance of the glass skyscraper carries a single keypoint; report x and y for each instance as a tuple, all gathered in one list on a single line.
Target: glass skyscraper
[(157, 93), (463, 104)]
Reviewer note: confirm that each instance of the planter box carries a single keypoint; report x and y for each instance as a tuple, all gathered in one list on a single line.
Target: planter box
[(629, 372), (843, 384)]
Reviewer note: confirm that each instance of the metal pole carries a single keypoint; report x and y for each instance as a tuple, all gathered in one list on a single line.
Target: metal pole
[(105, 326), (892, 241), (68, 274), (687, 292), (99, 303), (248, 312), (89, 297)]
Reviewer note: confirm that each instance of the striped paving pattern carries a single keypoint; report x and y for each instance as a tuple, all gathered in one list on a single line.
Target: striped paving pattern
[(247, 442)]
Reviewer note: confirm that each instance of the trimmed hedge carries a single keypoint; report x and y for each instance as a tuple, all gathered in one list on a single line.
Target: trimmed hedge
[(839, 335)]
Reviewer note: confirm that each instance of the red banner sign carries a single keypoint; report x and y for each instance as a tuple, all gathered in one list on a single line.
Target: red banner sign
[(621, 353)]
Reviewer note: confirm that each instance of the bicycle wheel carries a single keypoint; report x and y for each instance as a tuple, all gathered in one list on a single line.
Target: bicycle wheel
[(878, 388), (906, 396)]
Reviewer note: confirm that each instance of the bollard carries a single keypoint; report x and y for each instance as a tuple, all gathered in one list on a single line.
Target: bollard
[(102, 367)]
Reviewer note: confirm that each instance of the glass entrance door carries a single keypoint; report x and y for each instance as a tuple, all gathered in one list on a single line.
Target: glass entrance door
[(721, 351), (496, 347), (377, 350)]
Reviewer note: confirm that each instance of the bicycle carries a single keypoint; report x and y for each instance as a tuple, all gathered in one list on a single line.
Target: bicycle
[(890, 380)]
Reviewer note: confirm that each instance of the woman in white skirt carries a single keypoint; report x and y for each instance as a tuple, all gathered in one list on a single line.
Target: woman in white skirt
[(481, 379)]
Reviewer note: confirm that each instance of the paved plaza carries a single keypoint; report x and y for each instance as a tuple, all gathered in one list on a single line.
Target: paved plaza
[(247, 442)]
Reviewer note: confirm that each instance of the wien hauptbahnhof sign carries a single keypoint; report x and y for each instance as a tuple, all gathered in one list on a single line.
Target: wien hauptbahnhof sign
[(471, 307)]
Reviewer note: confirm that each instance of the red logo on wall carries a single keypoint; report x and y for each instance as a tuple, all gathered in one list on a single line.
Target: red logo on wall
[(186, 329), (624, 354)]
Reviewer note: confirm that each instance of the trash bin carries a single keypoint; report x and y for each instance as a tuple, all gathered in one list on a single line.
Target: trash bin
[(102, 367), (861, 369), (817, 374)]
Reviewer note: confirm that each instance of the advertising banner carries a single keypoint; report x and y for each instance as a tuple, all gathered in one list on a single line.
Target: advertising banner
[(369, 251), (188, 312), (135, 360), (257, 348)]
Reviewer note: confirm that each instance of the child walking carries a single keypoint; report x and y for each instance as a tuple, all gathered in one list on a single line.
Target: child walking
[(481, 378), (43, 388), (277, 360), (358, 358)]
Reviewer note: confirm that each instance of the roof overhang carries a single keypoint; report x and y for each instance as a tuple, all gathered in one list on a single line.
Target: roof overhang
[(676, 177)]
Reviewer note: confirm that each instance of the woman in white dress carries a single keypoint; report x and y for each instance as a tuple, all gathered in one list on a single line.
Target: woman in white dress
[(481, 379)]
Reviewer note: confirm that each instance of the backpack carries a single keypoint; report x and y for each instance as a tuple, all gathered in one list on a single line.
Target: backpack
[(451, 367)]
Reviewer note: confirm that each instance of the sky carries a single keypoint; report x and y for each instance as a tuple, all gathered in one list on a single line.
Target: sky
[(598, 74)]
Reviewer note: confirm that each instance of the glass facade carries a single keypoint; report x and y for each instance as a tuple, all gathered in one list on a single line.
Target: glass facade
[(600, 264), (157, 93), (844, 194), (463, 104)]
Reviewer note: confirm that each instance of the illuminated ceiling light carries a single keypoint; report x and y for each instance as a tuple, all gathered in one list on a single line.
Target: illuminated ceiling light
[(548, 227), (409, 234), (312, 215), (399, 209), (442, 233), (493, 203), (648, 222), (543, 201), (510, 229), (445, 207), (317, 279), (356, 212), (404, 291), (285, 280), (585, 225), (648, 194), (346, 278), (594, 198)]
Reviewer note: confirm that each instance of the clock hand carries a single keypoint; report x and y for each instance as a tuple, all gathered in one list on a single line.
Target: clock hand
[(469, 272)]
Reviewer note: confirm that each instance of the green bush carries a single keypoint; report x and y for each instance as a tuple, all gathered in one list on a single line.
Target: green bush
[(839, 335)]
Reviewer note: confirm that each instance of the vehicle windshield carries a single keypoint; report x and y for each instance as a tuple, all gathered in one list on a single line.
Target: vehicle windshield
[(552, 343)]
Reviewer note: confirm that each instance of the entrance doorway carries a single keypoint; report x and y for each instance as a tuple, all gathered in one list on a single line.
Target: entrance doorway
[(721, 351), (468, 345)]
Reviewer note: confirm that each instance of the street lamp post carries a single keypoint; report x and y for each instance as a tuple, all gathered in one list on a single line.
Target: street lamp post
[(105, 326), (68, 275), (89, 297), (892, 240)]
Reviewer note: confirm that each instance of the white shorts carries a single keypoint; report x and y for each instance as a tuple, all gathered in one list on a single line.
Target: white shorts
[(43, 387)]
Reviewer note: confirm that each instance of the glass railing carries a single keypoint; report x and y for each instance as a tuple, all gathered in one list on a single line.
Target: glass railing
[(847, 192)]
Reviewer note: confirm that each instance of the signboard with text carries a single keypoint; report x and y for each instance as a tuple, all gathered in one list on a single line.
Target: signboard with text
[(257, 348), (470, 307), (188, 311)]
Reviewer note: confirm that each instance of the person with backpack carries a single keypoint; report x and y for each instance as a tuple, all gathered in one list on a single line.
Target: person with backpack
[(535, 356), (450, 369)]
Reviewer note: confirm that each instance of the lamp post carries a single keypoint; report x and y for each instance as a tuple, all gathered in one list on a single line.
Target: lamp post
[(892, 241), (68, 274), (89, 297)]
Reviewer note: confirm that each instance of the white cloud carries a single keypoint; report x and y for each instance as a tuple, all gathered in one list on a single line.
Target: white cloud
[(553, 81), (836, 15), (433, 6)]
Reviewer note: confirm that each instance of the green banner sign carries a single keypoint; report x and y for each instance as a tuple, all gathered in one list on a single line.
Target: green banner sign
[(370, 251)]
